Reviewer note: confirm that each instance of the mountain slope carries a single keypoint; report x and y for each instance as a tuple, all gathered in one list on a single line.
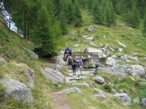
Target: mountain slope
[(18, 61)]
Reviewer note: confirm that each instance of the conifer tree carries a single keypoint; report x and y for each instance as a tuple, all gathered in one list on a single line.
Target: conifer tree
[(140, 4), (110, 14), (77, 18), (46, 32), (89, 5), (132, 18), (69, 11), (63, 23), (98, 13), (144, 27)]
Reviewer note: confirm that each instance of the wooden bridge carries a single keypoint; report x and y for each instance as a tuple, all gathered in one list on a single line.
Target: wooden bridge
[(83, 55), (86, 57)]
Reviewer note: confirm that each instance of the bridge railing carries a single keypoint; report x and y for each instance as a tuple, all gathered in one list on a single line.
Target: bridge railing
[(84, 55)]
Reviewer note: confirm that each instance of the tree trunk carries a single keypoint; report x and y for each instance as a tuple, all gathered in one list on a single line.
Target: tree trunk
[(25, 24)]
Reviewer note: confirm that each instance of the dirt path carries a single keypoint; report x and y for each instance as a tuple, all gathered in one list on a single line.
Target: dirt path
[(60, 102)]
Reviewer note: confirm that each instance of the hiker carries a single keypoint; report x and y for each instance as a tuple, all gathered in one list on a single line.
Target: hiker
[(74, 67), (68, 50), (79, 65), (69, 61)]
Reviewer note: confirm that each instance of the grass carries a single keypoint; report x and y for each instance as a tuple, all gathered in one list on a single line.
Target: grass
[(11, 49)]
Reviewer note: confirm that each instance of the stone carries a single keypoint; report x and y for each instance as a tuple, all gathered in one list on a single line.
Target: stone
[(31, 53), (99, 79), (91, 28), (121, 44), (90, 38), (143, 102), (126, 100), (17, 90), (110, 61), (53, 75), (69, 90)]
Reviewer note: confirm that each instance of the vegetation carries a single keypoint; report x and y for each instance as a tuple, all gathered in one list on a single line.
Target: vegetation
[(58, 14), (49, 24)]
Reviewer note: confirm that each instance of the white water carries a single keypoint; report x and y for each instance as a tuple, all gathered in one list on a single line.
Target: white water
[(8, 19)]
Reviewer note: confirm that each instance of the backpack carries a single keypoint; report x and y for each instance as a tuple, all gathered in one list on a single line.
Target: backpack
[(70, 61), (74, 64), (68, 50)]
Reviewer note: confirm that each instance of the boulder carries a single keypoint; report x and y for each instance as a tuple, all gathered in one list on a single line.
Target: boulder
[(120, 50), (121, 44), (110, 61), (31, 53), (136, 100), (59, 59), (122, 76), (76, 45), (17, 90), (92, 44), (144, 102), (69, 90), (138, 70), (84, 36), (124, 58), (98, 90), (126, 100), (29, 73), (82, 84), (99, 79), (53, 75), (111, 49), (91, 28), (101, 96), (142, 58), (90, 38), (94, 50), (133, 58), (2, 60)]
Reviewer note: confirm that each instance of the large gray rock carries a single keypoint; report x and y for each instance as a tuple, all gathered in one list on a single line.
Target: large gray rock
[(136, 100), (31, 53), (90, 38), (122, 76), (98, 90), (142, 59), (144, 102), (133, 58), (30, 73), (76, 45), (126, 100), (110, 61), (2, 60), (92, 44), (134, 70), (94, 50), (69, 90), (59, 60), (17, 90), (91, 28), (101, 96), (120, 50), (121, 44), (53, 75), (99, 79), (82, 84), (124, 58)]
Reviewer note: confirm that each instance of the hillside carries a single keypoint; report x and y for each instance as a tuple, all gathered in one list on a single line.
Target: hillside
[(16, 64)]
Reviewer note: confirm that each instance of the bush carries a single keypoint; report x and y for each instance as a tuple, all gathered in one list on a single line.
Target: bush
[(108, 87)]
